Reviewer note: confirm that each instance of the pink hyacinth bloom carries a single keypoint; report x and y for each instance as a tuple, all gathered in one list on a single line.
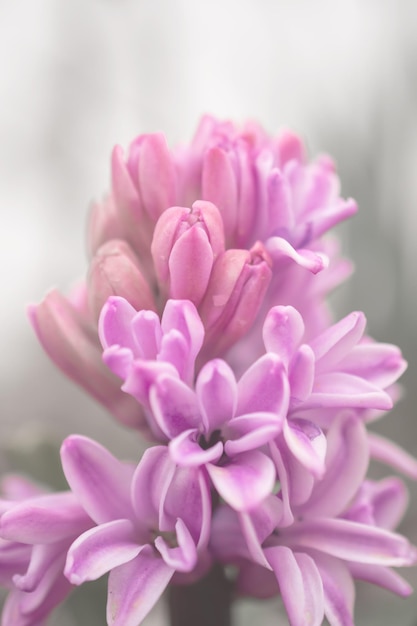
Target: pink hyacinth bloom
[(343, 529), (262, 185), (115, 271), (71, 341), (172, 342), (218, 425), (36, 531), (256, 196), (151, 521), (222, 425), (339, 368), (185, 245)]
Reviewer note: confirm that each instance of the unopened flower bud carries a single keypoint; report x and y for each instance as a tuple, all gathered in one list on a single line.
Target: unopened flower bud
[(103, 224), (115, 271), (186, 243), (234, 296), (72, 344)]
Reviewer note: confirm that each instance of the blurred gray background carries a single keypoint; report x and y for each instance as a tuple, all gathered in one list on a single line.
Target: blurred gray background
[(77, 77)]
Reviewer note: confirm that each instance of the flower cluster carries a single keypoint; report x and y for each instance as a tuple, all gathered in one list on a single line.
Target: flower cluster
[(203, 325)]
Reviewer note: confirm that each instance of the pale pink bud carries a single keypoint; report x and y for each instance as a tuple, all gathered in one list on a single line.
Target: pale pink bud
[(288, 147), (115, 271), (133, 222), (103, 224), (239, 281), (151, 162), (185, 245), (228, 180), (72, 344)]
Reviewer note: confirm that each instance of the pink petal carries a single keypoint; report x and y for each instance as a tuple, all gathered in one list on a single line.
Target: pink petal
[(100, 482), (239, 281), (216, 389), (264, 387), (174, 406), (307, 443), (294, 478), (183, 316), (380, 363), (245, 481), (43, 558), (118, 360), (289, 147), (381, 576), (337, 341), (115, 271), (44, 519), (188, 497), (125, 192), (103, 224), (248, 432), (280, 249), (182, 558), (339, 590), (302, 374), (190, 264), (389, 499), (150, 484), (281, 456), (246, 213), (219, 185), (300, 585), (156, 175), (342, 390), (325, 219), (29, 608), (352, 541), (283, 331), (135, 587), (346, 466), (101, 549), (114, 324), (147, 334), (142, 375), (187, 452), (386, 451), (280, 211)]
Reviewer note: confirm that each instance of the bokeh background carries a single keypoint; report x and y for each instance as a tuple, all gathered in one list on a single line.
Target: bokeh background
[(77, 77)]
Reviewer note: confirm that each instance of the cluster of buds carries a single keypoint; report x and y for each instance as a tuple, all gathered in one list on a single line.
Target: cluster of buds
[(203, 325)]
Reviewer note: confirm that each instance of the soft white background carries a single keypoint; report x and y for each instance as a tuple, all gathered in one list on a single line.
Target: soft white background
[(77, 77)]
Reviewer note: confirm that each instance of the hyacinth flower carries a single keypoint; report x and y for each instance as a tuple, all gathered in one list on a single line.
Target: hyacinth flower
[(36, 530), (335, 370), (152, 521), (343, 530), (339, 368), (237, 206), (218, 425)]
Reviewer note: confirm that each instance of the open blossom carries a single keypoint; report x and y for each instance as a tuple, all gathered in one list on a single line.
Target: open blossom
[(36, 529), (214, 222), (151, 521), (343, 529), (311, 382)]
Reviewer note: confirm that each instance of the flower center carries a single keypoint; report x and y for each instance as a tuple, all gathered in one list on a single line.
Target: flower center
[(210, 441)]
